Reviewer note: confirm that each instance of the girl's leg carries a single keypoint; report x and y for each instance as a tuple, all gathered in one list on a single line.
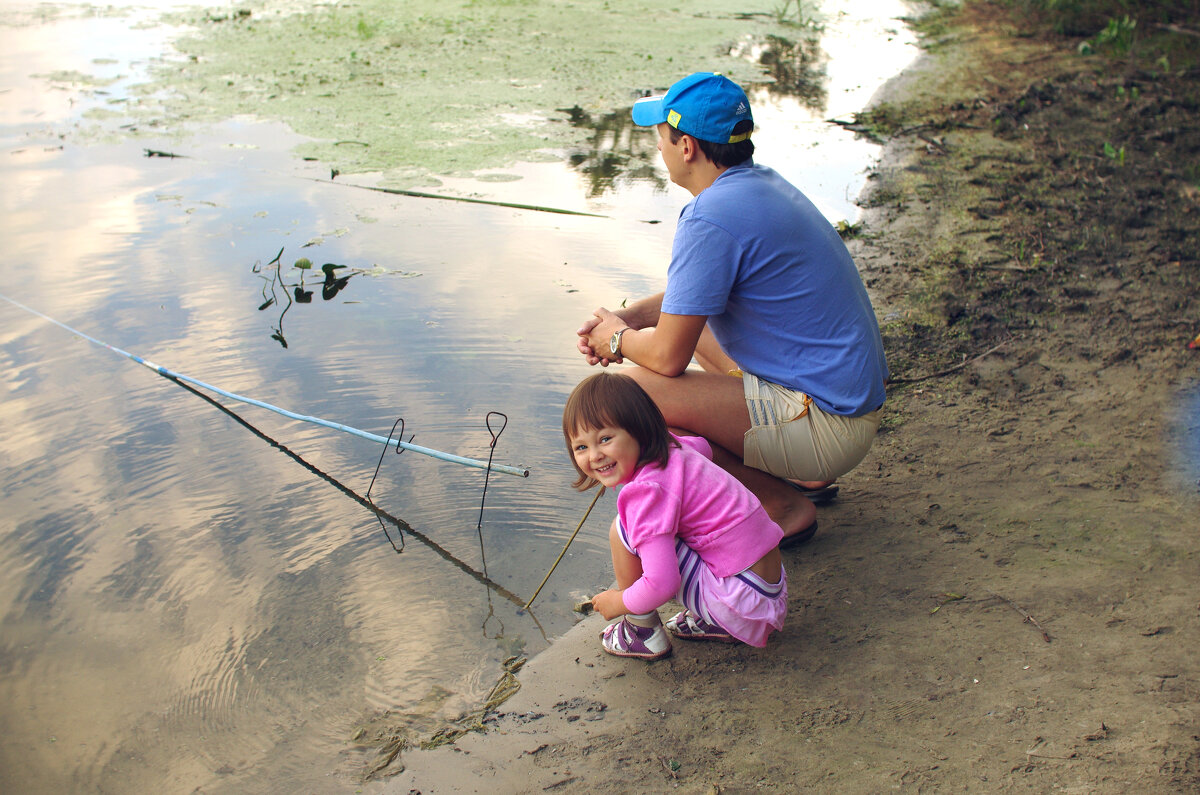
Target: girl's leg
[(639, 636), (627, 567)]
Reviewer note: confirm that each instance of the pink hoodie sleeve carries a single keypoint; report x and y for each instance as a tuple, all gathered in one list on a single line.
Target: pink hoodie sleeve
[(660, 576)]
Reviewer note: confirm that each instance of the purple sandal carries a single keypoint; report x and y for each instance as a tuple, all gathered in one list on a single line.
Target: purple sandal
[(626, 639), (686, 625)]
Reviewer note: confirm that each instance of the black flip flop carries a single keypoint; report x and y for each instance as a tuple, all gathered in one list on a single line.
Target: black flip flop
[(796, 539), (821, 496)]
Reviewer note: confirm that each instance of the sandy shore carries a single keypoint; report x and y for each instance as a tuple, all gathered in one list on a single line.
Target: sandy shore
[(1003, 597)]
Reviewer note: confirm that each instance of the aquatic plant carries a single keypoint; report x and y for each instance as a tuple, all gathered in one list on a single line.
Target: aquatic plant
[(367, 30), (1191, 173), (1118, 35), (802, 17), (879, 122)]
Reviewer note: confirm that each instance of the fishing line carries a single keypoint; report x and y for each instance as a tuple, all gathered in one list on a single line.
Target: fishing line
[(454, 459)]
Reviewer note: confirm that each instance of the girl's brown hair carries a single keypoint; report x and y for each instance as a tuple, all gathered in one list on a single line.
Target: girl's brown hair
[(616, 401)]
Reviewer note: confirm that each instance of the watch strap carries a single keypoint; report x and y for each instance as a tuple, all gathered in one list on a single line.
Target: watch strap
[(615, 347)]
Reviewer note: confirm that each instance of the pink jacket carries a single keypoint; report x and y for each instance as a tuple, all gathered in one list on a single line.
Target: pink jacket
[(692, 499)]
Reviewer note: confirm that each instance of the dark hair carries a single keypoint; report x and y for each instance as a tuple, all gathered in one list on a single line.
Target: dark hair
[(616, 400), (724, 155)]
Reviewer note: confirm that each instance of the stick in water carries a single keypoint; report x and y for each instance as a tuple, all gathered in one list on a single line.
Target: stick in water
[(546, 579)]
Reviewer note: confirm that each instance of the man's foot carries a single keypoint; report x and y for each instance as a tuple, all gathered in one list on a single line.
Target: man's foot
[(819, 494), (796, 539), (784, 503), (788, 508)]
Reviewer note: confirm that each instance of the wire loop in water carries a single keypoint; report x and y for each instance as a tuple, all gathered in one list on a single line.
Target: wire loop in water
[(399, 450)]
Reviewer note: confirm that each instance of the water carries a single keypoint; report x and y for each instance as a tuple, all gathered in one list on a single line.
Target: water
[(1185, 433), (195, 595)]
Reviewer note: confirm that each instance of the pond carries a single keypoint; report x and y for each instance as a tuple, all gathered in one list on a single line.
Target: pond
[(197, 592)]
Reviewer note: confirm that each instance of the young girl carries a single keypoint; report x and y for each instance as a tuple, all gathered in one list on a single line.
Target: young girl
[(685, 528)]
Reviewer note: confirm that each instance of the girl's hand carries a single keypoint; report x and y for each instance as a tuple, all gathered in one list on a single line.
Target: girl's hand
[(609, 604)]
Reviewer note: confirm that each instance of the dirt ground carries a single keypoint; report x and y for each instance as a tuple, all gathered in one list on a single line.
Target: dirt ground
[(1004, 597)]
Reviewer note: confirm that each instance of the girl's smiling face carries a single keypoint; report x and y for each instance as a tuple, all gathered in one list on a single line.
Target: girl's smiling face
[(608, 454)]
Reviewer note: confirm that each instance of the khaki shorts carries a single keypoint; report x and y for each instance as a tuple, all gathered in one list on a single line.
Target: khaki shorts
[(791, 437)]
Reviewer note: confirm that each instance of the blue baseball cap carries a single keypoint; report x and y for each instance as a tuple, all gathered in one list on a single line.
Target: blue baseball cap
[(704, 105)]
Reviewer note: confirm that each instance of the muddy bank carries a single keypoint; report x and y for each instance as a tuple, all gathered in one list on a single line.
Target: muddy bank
[(1003, 598)]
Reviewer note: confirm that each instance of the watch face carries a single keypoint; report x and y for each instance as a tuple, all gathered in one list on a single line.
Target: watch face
[(615, 342)]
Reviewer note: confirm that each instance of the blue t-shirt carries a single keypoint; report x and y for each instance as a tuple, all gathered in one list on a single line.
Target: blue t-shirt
[(779, 288)]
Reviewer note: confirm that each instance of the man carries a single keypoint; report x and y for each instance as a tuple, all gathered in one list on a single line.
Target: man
[(759, 286)]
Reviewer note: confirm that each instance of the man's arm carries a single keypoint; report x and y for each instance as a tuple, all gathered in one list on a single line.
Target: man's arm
[(642, 313), (665, 348)]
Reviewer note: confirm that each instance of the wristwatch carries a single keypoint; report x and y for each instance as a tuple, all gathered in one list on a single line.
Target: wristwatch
[(614, 344)]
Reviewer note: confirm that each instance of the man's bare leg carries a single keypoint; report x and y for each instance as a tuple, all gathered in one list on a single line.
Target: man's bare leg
[(713, 359), (711, 356), (790, 509), (714, 407)]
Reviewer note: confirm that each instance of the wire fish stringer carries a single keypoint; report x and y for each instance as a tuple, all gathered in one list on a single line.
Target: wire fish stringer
[(479, 525), (401, 446), (382, 453)]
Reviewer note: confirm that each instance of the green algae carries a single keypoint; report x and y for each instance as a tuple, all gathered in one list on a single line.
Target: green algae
[(77, 79), (415, 89)]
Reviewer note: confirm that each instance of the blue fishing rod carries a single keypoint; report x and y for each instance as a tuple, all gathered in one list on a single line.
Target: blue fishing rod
[(337, 426)]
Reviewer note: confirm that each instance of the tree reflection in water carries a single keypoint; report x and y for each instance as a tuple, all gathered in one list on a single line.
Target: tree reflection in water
[(618, 152), (799, 68)]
